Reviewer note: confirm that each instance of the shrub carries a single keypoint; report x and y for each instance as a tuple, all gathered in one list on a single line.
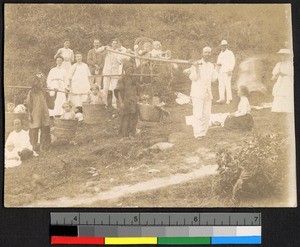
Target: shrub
[(255, 171)]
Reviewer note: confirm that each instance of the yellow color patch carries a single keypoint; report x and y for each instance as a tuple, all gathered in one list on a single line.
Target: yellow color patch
[(129, 240)]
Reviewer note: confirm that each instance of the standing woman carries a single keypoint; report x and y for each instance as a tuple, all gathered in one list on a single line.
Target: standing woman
[(57, 80), (67, 54), (79, 81), (283, 90)]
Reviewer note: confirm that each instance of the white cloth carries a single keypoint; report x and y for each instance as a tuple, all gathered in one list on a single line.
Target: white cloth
[(57, 79), (156, 53), (201, 77), (218, 117), (20, 140), (243, 107), (68, 56), (283, 90), (12, 159), (79, 74), (226, 61)]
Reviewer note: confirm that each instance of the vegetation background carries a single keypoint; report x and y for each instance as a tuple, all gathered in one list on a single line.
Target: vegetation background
[(34, 32)]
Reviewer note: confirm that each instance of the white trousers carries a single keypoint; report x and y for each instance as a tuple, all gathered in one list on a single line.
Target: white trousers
[(201, 115), (110, 83), (224, 86)]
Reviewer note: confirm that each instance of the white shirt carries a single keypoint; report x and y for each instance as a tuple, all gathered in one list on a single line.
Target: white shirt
[(20, 140), (202, 78), (57, 78), (243, 107), (227, 61)]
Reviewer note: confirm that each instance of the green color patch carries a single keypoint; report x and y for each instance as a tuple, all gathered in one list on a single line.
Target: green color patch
[(183, 240)]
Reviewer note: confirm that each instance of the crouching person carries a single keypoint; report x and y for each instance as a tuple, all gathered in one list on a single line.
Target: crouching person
[(39, 102), (127, 96)]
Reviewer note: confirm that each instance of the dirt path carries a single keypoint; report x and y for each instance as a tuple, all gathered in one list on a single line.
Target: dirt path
[(121, 191)]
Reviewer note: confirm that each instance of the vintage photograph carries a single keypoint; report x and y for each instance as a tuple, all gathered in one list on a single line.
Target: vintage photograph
[(161, 105)]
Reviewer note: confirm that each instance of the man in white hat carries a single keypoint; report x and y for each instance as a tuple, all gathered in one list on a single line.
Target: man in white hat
[(202, 73), (226, 63)]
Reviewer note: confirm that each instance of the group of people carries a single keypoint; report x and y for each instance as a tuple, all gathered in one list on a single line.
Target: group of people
[(202, 73), (72, 85)]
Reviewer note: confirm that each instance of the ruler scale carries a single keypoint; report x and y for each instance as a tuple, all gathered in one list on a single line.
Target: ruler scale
[(155, 228)]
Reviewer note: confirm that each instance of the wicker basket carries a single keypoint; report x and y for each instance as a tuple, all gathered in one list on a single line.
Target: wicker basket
[(10, 117), (149, 113), (93, 113), (65, 128)]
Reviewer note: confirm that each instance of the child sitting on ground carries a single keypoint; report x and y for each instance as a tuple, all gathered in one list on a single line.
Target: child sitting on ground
[(241, 119), (95, 95), (12, 157), (68, 113)]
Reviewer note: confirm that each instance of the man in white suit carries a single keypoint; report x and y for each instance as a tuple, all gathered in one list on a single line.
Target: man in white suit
[(202, 73), (226, 63)]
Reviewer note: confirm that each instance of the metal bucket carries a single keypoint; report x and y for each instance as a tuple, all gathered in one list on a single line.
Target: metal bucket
[(93, 113), (65, 128)]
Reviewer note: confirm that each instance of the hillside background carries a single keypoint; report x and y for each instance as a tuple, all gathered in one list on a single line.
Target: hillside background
[(34, 32)]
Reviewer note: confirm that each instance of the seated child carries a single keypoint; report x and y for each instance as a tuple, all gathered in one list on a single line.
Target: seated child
[(68, 113), (241, 119), (78, 113), (21, 141), (95, 95), (156, 51), (10, 107), (12, 158), (146, 50)]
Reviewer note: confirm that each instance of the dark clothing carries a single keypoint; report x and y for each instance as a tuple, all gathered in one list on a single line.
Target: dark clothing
[(239, 123), (45, 139), (128, 88), (38, 103), (93, 58)]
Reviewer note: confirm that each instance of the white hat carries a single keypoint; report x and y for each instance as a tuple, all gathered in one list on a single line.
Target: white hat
[(284, 51), (224, 42)]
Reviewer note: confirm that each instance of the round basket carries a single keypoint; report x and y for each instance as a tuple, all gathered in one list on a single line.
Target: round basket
[(65, 128), (93, 113), (10, 117), (149, 113)]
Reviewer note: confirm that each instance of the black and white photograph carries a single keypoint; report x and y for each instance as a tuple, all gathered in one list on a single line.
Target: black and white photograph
[(149, 105)]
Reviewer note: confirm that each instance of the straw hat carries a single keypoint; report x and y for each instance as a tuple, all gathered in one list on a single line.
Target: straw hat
[(224, 42), (284, 51)]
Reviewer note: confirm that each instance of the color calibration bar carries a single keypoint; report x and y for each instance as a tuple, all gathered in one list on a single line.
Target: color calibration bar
[(155, 228)]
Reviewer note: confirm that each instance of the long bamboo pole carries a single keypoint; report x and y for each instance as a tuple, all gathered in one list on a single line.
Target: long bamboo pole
[(149, 58)]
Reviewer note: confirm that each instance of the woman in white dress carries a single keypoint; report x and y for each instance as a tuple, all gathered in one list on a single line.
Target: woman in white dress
[(79, 81), (283, 90), (67, 54), (57, 80)]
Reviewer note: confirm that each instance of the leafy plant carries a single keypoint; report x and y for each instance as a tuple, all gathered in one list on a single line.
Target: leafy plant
[(255, 171)]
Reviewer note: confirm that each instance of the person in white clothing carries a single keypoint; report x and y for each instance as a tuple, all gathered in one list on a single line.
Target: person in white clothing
[(79, 81), (241, 119), (225, 63), (57, 80), (112, 66), (202, 74), (67, 54), (283, 90)]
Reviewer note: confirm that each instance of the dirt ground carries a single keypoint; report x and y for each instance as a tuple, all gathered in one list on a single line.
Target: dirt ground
[(99, 170)]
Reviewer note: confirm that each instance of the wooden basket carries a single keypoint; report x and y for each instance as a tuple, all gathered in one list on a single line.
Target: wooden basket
[(65, 128), (10, 117), (149, 113), (93, 113)]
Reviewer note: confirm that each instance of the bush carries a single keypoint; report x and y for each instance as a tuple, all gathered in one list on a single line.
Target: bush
[(256, 171)]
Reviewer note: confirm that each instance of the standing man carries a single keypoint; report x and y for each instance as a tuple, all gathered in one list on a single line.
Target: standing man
[(95, 61), (226, 63), (202, 73)]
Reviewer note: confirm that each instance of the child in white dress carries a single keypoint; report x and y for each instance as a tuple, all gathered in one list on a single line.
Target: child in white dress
[(68, 113), (12, 158), (95, 95)]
